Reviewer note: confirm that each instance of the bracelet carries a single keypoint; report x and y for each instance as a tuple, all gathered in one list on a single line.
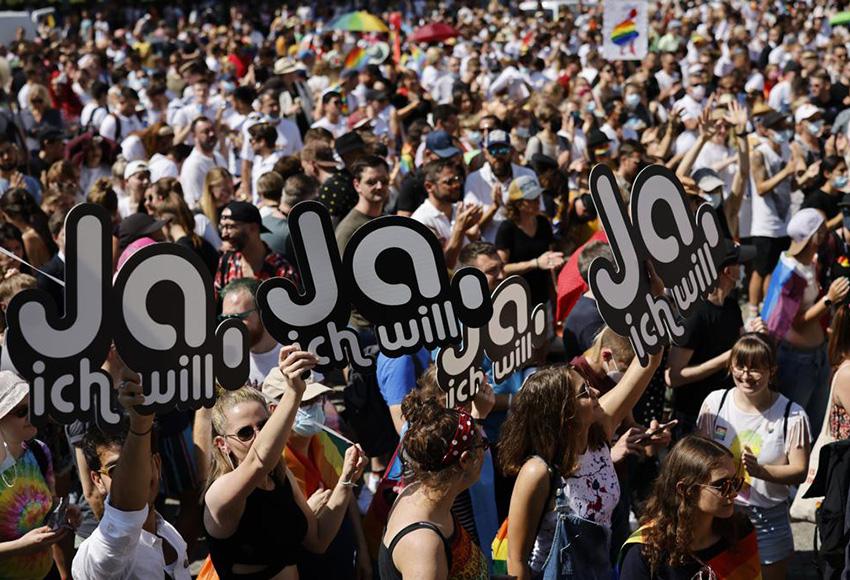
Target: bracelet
[(141, 434), (347, 483), (537, 263)]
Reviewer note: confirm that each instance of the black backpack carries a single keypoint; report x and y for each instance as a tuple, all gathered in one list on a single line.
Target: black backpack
[(832, 481), (367, 413)]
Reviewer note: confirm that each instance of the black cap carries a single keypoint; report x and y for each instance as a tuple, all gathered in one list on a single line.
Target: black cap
[(348, 143), (247, 213), (791, 66), (541, 163), (773, 119), (137, 226), (737, 254), (597, 138), (373, 95)]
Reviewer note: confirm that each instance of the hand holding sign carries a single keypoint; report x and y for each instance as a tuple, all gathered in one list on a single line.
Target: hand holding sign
[(294, 364)]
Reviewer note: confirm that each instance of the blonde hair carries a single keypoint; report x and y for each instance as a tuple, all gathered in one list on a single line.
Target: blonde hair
[(41, 91), (215, 176), (219, 462)]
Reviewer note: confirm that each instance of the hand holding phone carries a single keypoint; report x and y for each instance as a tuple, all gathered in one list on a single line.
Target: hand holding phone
[(652, 433)]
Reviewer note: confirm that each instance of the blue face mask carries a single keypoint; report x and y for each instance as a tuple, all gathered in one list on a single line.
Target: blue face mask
[(840, 182), (522, 132), (783, 136), (632, 100), (308, 420), (474, 137)]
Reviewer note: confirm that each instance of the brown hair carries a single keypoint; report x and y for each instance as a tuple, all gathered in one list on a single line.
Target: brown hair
[(10, 286), (512, 210), (541, 422), (62, 170), (754, 351), (839, 336), (431, 427), (173, 208), (102, 193), (671, 507)]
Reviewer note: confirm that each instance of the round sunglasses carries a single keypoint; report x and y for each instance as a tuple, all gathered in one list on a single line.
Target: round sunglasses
[(248, 432)]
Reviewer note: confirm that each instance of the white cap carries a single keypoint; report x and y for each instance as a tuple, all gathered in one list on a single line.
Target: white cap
[(162, 167), (802, 227), (135, 167), (755, 84), (804, 112)]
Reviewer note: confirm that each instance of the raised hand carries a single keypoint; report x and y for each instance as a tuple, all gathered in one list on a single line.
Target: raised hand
[(294, 364)]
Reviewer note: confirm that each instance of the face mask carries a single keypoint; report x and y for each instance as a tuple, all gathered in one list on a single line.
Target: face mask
[(272, 118), (522, 132), (474, 137), (8, 462), (783, 136), (614, 373), (698, 92), (308, 420), (632, 100), (815, 127), (840, 182)]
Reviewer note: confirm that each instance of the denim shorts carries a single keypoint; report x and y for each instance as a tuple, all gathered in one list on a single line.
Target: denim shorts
[(773, 531)]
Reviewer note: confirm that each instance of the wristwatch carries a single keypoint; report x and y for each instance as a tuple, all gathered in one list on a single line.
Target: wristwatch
[(827, 302)]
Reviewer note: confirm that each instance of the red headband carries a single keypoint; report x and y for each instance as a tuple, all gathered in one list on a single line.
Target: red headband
[(462, 439)]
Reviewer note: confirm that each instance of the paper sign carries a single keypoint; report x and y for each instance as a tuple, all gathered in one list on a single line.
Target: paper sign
[(625, 30), (393, 272), (514, 330), (160, 314), (685, 249)]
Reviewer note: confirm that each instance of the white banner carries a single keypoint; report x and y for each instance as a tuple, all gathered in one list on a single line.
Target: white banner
[(625, 30)]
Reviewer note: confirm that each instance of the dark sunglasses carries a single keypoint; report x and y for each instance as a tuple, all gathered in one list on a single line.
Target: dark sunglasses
[(248, 432), (237, 315), (20, 412), (726, 486), (107, 469), (499, 151)]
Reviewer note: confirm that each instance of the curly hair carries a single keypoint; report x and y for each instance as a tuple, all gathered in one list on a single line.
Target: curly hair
[(542, 422), (431, 427), (671, 507)]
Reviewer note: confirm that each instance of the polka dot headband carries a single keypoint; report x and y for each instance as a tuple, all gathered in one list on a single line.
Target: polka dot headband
[(462, 439)]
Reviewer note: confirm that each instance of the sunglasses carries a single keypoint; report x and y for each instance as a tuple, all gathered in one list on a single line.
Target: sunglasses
[(20, 412), (499, 151), (236, 315), (726, 486), (248, 432), (107, 469)]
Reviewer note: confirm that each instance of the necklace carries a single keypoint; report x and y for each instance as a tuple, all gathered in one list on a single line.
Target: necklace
[(14, 478)]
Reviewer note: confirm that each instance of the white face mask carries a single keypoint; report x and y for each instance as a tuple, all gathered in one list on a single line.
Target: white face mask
[(309, 420), (614, 373), (698, 92)]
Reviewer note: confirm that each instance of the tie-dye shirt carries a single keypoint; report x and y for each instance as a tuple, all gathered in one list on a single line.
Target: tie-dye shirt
[(23, 507)]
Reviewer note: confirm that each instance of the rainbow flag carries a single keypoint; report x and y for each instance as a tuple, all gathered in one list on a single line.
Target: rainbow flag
[(333, 449), (356, 58), (624, 33), (500, 550), (741, 562)]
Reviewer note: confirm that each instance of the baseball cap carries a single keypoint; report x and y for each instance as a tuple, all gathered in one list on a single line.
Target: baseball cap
[(524, 187), (274, 387), (738, 254), (247, 213), (440, 143), (135, 167), (773, 120), (348, 143), (497, 137), (802, 227), (707, 179), (13, 390), (805, 111), (137, 226)]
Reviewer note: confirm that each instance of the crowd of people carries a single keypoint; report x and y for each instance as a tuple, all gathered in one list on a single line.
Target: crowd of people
[(204, 124)]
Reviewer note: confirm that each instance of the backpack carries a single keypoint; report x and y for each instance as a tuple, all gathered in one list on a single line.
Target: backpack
[(367, 413), (832, 482)]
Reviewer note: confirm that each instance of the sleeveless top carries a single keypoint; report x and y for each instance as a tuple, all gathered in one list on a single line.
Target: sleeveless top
[(839, 422), (270, 533), (465, 560)]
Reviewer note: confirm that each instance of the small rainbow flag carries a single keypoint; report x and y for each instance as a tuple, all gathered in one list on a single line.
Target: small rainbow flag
[(500, 550), (356, 58)]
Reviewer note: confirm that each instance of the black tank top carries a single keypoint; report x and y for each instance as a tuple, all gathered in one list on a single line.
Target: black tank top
[(270, 533)]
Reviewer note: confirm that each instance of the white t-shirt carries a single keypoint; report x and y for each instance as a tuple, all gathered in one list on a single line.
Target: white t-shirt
[(337, 129), (594, 490), (771, 211), (436, 221), (262, 364), (93, 114), (194, 171), (109, 126), (288, 139), (479, 187), (762, 433), (260, 167)]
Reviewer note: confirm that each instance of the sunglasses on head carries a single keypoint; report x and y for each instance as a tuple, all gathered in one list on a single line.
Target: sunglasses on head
[(236, 315), (248, 432)]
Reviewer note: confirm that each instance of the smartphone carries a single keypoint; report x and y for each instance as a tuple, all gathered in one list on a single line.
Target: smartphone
[(59, 516), (664, 427)]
